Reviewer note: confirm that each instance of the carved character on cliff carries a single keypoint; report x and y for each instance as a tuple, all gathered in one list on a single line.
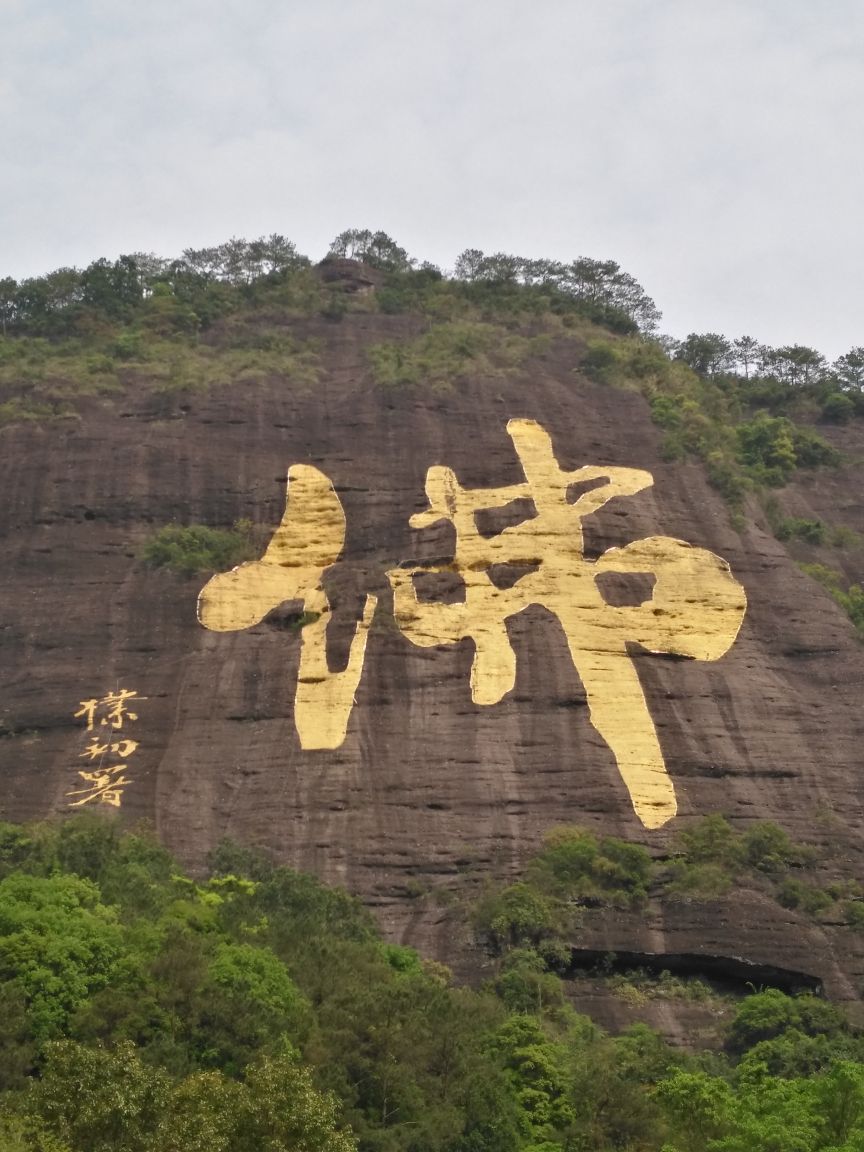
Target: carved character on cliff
[(696, 608), (308, 541)]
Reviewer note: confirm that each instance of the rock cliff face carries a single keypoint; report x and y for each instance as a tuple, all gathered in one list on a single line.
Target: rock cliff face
[(429, 789)]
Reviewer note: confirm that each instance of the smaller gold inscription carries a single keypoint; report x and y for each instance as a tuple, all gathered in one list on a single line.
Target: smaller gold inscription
[(104, 782)]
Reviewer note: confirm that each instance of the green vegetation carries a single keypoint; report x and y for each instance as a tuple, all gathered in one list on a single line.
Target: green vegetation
[(144, 1011), (638, 988), (850, 598), (197, 548), (706, 416), (709, 855), (447, 351), (217, 316), (574, 869)]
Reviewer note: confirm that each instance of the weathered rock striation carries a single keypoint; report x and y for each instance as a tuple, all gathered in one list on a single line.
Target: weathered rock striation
[(429, 790)]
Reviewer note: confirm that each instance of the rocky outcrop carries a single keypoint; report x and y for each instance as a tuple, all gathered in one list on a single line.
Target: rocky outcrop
[(431, 792)]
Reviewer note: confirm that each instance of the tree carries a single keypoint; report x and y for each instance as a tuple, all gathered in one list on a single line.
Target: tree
[(374, 248), (114, 289), (770, 1014), (203, 262), (58, 941), (275, 254), (8, 301), (766, 445), (797, 365), (592, 280), (848, 369), (468, 264), (282, 1111), (746, 353), (104, 1101), (707, 353), (536, 1069), (351, 244), (500, 268), (151, 269), (44, 303), (698, 1107)]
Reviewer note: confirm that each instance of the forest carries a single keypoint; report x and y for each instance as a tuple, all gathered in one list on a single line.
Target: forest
[(254, 1008)]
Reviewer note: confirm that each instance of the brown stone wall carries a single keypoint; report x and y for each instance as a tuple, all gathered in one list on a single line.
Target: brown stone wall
[(428, 789)]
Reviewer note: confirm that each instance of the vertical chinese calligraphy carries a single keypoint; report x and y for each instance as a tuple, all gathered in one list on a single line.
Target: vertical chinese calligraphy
[(107, 757)]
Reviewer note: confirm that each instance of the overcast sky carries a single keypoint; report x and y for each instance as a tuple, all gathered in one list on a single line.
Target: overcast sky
[(712, 147)]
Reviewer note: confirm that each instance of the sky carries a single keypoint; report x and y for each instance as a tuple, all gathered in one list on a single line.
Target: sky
[(713, 148)]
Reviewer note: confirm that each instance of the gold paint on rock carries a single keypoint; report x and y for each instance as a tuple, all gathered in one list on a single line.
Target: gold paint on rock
[(696, 608), (308, 541), (105, 782)]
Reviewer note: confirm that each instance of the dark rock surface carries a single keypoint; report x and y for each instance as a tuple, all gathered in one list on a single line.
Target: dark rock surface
[(429, 791)]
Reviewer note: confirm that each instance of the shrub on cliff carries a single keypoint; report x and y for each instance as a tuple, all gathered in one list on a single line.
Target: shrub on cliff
[(198, 548), (573, 864)]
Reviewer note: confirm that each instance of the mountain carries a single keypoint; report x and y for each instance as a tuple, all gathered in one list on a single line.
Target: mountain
[(452, 447)]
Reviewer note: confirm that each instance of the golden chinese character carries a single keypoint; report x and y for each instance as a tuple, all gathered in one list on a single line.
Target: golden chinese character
[(124, 748), (94, 749), (696, 608), (88, 710), (104, 786), (308, 541), (115, 702)]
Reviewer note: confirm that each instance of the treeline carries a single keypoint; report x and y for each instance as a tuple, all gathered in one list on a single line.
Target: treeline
[(180, 297), (254, 1008), (68, 301), (213, 280), (772, 377)]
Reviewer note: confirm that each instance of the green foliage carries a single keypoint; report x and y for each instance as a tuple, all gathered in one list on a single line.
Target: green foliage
[(258, 1009), (770, 1014), (573, 867), (111, 1101), (772, 447), (58, 942), (838, 408), (255, 976), (517, 915), (524, 983), (850, 599), (709, 856), (574, 864), (767, 847), (795, 528), (814, 532), (794, 893), (702, 412), (99, 1100), (376, 249), (199, 548), (447, 351), (24, 409), (698, 881)]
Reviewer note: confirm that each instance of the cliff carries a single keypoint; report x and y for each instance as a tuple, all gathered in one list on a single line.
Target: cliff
[(433, 790)]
